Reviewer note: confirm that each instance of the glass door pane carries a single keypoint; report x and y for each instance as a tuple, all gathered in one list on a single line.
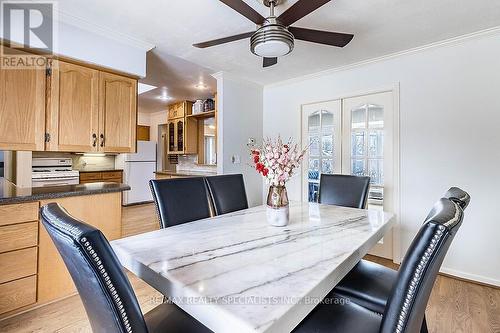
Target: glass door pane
[(367, 133), (321, 129)]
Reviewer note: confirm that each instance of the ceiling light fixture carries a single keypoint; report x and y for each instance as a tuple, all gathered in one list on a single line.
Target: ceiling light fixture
[(164, 97), (272, 39), (201, 86)]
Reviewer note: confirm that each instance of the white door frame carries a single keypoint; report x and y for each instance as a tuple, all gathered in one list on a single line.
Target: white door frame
[(396, 154)]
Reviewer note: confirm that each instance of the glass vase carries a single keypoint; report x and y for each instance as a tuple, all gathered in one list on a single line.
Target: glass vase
[(277, 206)]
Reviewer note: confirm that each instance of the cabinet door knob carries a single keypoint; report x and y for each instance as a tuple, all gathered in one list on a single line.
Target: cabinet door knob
[(94, 138), (102, 140)]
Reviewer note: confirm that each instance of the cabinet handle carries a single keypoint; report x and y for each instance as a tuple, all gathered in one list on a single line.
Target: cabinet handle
[(94, 138), (102, 140)]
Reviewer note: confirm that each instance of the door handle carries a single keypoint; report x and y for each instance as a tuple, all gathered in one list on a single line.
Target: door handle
[(102, 140), (94, 138)]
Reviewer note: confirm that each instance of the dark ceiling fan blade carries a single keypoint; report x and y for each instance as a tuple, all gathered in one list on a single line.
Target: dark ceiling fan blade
[(245, 10), (223, 40), (322, 37), (268, 62), (300, 9)]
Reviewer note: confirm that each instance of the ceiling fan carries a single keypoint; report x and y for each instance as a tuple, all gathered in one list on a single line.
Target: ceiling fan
[(274, 36)]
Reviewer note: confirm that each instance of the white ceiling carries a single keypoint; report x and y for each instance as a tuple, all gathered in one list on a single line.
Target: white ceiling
[(175, 78), (380, 27)]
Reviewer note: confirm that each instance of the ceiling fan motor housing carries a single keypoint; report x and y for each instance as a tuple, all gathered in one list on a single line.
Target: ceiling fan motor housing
[(272, 40)]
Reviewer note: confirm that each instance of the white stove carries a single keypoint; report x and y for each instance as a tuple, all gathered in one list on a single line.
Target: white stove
[(47, 171)]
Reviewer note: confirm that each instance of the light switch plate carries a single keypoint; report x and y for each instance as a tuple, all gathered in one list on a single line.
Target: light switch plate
[(236, 159)]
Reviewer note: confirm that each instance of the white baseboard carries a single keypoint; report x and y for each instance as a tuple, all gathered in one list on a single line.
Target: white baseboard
[(471, 277)]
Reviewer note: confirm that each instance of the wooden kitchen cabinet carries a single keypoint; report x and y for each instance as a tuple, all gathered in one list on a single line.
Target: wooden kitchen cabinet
[(178, 110), (143, 133), (68, 106), (22, 109), (101, 176), (72, 108), (117, 113), (18, 255), (182, 131), (102, 211)]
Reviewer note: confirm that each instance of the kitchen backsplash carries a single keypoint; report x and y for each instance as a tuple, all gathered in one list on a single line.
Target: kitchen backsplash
[(188, 163), (90, 163), (82, 162)]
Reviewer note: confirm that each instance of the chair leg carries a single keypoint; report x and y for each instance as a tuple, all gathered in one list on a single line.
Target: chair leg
[(424, 329)]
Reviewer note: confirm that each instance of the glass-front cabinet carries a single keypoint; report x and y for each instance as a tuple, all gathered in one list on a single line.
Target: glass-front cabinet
[(171, 137), (182, 129)]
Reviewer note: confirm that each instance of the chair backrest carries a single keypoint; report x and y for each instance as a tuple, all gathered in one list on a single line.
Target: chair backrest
[(406, 306), (106, 292), (344, 190), (228, 193), (458, 195), (180, 200)]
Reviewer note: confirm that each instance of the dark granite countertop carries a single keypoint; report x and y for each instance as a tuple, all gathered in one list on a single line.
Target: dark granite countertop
[(11, 194), (99, 170)]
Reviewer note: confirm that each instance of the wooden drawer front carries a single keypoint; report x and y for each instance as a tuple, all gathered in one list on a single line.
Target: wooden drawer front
[(111, 175), (18, 264), (114, 180), (16, 294), (90, 181), (90, 176), (11, 214), (18, 236)]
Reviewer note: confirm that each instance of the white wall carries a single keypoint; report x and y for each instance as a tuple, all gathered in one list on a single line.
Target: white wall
[(450, 135), (143, 118), (156, 119), (97, 48), (239, 118)]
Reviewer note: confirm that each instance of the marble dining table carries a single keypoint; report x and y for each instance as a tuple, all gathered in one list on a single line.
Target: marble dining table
[(237, 273)]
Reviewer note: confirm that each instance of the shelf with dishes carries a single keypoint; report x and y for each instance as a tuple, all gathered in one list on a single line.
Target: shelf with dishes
[(193, 131)]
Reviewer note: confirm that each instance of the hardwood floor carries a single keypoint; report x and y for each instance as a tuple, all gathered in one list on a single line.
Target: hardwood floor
[(454, 305)]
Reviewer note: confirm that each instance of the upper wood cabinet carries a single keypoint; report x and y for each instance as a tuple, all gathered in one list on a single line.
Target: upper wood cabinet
[(182, 130), (117, 113), (22, 109), (72, 108)]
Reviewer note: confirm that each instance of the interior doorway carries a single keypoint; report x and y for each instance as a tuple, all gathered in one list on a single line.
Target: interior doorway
[(355, 136)]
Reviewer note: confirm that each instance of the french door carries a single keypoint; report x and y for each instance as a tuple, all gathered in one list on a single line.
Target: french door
[(353, 136)]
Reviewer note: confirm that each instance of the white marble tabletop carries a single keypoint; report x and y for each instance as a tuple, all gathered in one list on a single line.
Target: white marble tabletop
[(236, 273)]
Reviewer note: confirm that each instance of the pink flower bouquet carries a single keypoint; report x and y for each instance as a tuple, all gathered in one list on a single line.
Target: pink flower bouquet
[(277, 161)]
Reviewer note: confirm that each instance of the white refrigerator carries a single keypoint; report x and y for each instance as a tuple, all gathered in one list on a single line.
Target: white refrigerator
[(138, 169)]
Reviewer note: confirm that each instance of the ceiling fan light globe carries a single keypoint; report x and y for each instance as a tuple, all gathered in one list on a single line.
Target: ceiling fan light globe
[(272, 49)]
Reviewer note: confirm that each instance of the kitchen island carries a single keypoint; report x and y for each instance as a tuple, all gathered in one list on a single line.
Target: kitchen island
[(32, 272)]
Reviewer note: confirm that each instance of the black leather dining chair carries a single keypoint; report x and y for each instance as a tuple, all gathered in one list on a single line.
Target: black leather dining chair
[(369, 284), (344, 190), (405, 308), (180, 200), (459, 196), (105, 290), (228, 193)]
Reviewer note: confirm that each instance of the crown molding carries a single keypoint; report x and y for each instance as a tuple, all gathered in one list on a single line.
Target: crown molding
[(443, 43), (84, 24), (231, 76)]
